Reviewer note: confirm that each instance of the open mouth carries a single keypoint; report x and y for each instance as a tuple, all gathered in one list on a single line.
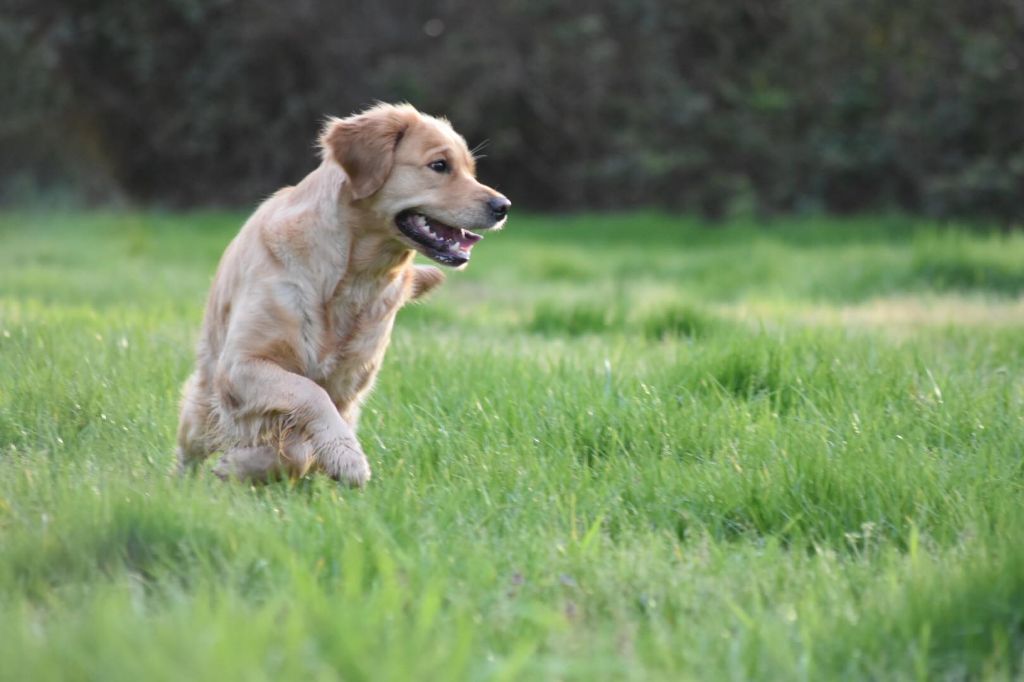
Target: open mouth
[(446, 244)]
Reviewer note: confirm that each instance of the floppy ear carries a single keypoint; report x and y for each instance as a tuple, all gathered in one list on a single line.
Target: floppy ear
[(364, 146)]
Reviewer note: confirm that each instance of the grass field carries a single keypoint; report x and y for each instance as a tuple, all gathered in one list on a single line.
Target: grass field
[(626, 447)]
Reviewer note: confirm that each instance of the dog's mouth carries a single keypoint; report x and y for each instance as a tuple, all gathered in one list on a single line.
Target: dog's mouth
[(443, 243)]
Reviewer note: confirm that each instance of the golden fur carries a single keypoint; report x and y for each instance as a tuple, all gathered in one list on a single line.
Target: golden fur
[(301, 308)]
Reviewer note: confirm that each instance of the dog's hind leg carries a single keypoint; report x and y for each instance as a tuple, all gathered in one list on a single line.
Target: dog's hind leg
[(256, 464), (292, 458), (193, 427)]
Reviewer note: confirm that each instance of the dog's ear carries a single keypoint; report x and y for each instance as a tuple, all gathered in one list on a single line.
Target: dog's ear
[(364, 146), (425, 278)]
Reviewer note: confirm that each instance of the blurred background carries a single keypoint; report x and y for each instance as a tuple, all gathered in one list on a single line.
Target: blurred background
[(722, 108)]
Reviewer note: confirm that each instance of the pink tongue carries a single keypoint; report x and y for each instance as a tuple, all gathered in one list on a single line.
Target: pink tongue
[(465, 239)]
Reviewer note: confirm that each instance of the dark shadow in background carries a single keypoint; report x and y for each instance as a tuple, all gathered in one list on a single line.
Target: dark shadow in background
[(725, 108)]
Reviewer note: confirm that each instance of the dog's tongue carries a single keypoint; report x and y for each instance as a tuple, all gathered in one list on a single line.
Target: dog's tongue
[(465, 239)]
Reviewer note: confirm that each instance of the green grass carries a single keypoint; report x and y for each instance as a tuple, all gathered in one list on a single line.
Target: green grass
[(618, 447)]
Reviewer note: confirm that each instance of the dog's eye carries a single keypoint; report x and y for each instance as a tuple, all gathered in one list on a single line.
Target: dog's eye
[(439, 166)]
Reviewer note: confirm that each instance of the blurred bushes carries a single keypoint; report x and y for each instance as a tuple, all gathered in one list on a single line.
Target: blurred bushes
[(721, 107)]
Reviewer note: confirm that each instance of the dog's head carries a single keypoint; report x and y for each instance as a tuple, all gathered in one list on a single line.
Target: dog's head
[(417, 176)]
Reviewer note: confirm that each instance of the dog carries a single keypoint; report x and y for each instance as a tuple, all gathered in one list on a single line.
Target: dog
[(301, 308)]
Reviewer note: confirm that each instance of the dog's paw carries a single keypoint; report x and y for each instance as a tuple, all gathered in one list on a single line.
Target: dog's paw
[(425, 278), (354, 472), (258, 464), (223, 469), (345, 463)]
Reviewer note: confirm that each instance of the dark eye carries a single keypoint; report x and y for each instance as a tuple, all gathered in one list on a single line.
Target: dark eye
[(439, 166)]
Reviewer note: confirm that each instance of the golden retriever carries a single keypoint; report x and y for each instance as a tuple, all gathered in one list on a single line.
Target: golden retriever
[(301, 308)]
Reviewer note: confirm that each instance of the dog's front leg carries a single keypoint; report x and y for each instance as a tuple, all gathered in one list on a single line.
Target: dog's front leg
[(263, 390)]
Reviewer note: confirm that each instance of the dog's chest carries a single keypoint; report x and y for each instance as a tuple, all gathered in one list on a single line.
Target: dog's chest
[(357, 330)]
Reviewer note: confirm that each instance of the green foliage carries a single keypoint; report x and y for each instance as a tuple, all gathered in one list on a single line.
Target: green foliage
[(678, 320), (949, 261), (615, 447), (731, 109), (587, 318)]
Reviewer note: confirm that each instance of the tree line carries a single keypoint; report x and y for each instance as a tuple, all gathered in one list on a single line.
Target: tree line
[(712, 106)]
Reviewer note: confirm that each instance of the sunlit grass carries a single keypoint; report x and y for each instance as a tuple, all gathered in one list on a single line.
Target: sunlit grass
[(614, 447)]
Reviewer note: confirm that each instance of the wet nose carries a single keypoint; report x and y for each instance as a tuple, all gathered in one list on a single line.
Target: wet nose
[(499, 206)]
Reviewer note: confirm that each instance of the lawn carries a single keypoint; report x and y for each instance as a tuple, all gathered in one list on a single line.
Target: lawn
[(615, 447)]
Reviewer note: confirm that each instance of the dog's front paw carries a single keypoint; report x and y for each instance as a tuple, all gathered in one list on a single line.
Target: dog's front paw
[(345, 463), (354, 472)]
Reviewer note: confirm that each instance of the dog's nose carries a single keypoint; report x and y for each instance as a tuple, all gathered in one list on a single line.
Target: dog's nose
[(499, 206)]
